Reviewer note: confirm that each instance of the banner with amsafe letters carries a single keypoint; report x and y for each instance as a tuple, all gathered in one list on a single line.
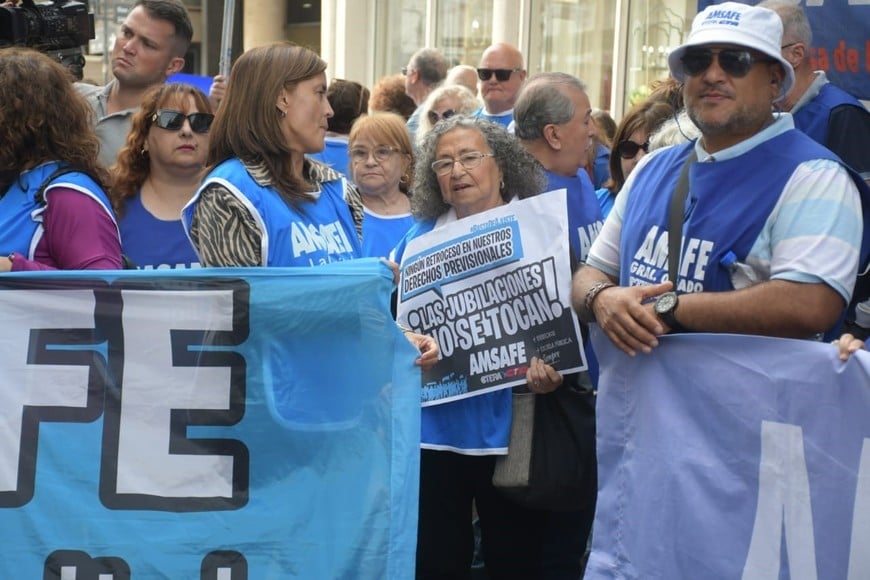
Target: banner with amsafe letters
[(726, 456), (494, 289), (216, 424)]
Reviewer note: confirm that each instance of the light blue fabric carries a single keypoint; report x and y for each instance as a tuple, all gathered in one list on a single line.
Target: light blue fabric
[(725, 456), (317, 458)]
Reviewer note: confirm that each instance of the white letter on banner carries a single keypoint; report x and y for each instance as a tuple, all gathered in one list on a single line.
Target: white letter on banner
[(859, 555), (783, 504), (154, 387), (47, 362)]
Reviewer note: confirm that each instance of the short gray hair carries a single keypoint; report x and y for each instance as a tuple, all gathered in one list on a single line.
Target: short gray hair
[(795, 24), (431, 65), (543, 102), (521, 173)]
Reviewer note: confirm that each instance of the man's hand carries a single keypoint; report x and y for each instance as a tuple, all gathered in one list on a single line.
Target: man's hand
[(217, 91), (627, 316), (848, 345)]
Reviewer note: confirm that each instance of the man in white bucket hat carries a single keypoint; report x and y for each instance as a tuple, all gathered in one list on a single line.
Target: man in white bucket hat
[(771, 225)]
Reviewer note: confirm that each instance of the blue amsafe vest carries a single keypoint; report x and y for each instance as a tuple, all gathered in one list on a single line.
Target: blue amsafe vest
[(727, 206), (813, 117), (584, 211), (21, 213), (315, 233)]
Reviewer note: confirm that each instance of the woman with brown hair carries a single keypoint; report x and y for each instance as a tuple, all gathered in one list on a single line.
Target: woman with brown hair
[(54, 214), (158, 171), (262, 200), (630, 144)]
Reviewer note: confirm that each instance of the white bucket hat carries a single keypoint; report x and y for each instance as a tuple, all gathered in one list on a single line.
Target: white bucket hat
[(740, 24)]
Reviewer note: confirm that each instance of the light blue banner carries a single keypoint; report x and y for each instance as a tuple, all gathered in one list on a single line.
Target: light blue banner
[(724, 456), (225, 424)]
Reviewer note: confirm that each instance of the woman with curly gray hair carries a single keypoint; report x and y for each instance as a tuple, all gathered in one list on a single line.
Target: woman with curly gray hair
[(466, 166), (482, 150)]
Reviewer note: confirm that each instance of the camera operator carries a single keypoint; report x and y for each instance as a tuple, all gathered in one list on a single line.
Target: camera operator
[(150, 46)]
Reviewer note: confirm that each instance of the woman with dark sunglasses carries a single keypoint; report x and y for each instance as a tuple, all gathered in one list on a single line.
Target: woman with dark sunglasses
[(630, 144), (54, 214), (157, 172), (444, 102)]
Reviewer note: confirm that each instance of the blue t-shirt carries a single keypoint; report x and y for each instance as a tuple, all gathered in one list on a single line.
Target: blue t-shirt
[(153, 243), (381, 233)]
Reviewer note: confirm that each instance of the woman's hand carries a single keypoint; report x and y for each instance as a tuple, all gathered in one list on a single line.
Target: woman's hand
[(428, 349), (542, 378), (848, 344), (6, 263)]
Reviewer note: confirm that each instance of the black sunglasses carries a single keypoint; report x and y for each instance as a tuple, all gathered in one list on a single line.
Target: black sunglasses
[(501, 74), (434, 117), (174, 120), (628, 149), (735, 61)]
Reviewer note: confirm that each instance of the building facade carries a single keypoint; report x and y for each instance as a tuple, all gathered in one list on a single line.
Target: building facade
[(616, 46)]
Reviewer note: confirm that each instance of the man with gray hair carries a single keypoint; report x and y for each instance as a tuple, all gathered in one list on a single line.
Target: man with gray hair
[(426, 69), (822, 110), (553, 121)]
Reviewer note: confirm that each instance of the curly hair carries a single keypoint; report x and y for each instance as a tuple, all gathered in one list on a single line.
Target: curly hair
[(133, 164), (248, 123), (386, 129), (521, 173), (389, 95), (43, 118)]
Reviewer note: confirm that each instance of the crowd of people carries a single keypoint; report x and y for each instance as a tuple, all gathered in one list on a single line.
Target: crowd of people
[(276, 167)]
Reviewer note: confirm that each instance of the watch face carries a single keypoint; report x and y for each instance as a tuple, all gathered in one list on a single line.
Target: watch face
[(666, 302)]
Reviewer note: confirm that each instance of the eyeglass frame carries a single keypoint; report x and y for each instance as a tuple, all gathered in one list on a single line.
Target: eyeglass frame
[(435, 116), (377, 153), (468, 160), (636, 146), (728, 65), (157, 120), (501, 74)]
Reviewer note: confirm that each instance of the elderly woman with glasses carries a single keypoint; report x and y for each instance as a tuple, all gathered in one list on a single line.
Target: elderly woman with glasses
[(630, 144), (54, 213), (443, 103), (466, 166), (381, 167), (157, 172)]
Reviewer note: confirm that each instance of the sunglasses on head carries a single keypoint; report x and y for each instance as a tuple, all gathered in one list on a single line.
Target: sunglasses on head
[(628, 149), (434, 117), (174, 120), (737, 62), (501, 74)]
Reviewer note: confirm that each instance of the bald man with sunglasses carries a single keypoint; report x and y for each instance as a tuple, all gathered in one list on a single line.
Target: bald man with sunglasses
[(500, 77), (771, 224)]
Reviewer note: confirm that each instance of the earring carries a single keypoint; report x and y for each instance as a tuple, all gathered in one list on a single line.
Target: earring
[(282, 113), (501, 185)]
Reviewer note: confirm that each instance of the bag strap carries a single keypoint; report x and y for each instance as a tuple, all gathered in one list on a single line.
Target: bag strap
[(676, 215), (39, 198)]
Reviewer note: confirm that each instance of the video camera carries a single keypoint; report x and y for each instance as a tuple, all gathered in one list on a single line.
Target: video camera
[(58, 29)]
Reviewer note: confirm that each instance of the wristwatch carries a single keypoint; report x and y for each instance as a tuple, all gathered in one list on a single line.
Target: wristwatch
[(666, 307)]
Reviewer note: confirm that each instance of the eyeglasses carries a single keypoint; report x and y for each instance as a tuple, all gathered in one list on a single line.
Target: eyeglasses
[(628, 149), (468, 161), (789, 45), (734, 61), (501, 74), (434, 116), (405, 70), (174, 120), (380, 153)]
